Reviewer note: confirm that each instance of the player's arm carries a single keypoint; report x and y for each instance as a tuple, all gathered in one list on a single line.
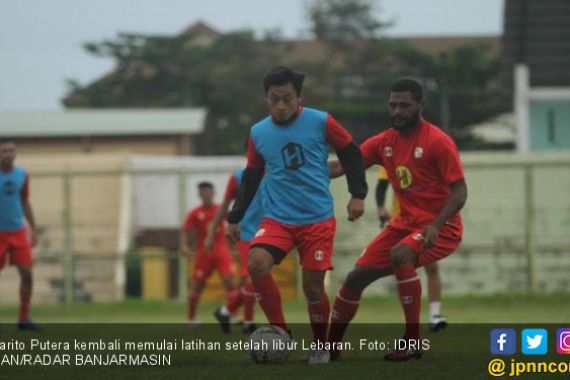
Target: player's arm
[(352, 164), (29, 212), (187, 232), (231, 193), (451, 171), (381, 189), (250, 180)]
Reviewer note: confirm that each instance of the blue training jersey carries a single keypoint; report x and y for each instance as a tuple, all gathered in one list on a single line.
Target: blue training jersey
[(11, 191), (250, 222), (296, 183)]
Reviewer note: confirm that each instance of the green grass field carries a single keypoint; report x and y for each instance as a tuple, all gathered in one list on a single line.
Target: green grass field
[(523, 308), (460, 351)]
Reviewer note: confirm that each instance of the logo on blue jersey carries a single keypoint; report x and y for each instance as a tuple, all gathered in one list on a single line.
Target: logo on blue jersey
[(9, 187), (293, 156), (503, 341)]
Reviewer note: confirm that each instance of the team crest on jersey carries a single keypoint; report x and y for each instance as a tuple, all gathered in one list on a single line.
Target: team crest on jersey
[(388, 151), (418, 152), (260, 232), (201, 216), (319, 255), (9, 188), (418, 237)]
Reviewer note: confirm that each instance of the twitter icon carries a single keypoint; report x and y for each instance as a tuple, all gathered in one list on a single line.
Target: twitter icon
[(534, 341)]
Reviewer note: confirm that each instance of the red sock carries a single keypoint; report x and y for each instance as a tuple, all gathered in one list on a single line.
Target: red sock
[(193, 298), (410, 290), (24, 309), (233, 300), (248, 297), (319, 316), (270, 300), (344, 309)]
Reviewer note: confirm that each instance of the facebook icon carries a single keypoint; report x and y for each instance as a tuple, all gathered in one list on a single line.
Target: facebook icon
[(503, 341)]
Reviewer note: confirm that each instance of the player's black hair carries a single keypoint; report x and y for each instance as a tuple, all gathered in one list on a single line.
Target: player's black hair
[(281, 75), (7, 141), (205, 185), (411, 85)]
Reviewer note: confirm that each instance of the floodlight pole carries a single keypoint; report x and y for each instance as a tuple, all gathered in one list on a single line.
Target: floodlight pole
[(182, 261), (68, 241)]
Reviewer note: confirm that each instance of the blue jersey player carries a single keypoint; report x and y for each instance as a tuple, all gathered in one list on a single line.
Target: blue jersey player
[(289, 151)]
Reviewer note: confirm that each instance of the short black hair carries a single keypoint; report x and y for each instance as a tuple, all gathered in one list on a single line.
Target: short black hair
[(205, 185), (281, 75), (2, 142), (411, 85)]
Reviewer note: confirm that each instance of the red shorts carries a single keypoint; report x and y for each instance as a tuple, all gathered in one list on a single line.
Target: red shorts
[(313, 241), (377, 254), (17, 246), (205, 263), (243, 249)]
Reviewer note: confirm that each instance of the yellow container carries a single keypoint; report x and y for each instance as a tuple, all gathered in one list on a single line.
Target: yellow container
[(154, 273)]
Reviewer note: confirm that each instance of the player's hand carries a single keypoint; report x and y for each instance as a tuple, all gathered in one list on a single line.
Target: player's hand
[(431, 234), (355, 209), (232, 232), (33, 237), (209, 242), (185, 251), (383, 215)]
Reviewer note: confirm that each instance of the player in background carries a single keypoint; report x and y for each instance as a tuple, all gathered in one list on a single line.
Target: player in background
[(218, 257), (289, 151), (14, 242), (425, 170), (248, 227), (436, 320)]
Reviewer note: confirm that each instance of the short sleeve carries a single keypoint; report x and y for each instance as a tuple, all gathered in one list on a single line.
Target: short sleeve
[(254, 159), (231, 189), (337, 136), (371, 151), (448, 161)]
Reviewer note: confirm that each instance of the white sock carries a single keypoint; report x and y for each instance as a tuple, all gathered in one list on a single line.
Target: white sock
[(434, 308), (224, 311)]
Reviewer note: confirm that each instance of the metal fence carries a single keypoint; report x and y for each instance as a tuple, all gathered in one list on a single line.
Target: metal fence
[(517, 223)]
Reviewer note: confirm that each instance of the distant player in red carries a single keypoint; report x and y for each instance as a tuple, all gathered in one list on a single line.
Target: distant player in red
[(14, 243), (248, 227), (426, 173), (219, 257)]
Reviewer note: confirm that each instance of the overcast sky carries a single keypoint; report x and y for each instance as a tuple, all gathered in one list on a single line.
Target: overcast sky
[(41, 40)]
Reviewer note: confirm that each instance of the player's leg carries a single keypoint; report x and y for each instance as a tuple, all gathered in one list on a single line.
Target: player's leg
[(234, 302), (20, 252), (26, 287), (247, 291), (226, 268), (315, 243), (404, 260), (373, 263), (271, 244), (436, 320), (260, 263), (202, 270), (405, 257)]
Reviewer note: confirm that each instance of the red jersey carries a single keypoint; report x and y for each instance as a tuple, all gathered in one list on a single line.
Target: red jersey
[(421, 166), (199, 219)]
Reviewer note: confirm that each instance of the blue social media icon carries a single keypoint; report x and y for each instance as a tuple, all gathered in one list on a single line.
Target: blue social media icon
[(503, 341), (534, 341)]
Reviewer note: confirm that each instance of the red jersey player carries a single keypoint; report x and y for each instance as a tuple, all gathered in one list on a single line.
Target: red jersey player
[(426, 173), (14, 243), (219, 257)]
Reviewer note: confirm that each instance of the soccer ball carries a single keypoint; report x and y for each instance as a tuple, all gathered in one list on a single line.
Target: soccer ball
[(269, 344)]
